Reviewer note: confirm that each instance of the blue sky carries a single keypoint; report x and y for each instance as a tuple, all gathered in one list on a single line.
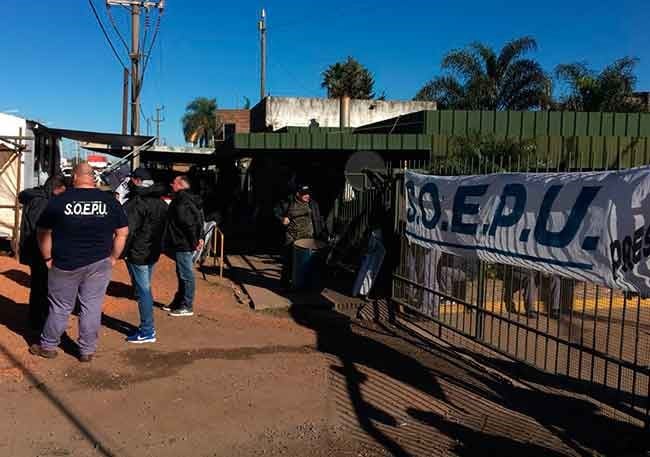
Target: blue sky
[(58, 68)]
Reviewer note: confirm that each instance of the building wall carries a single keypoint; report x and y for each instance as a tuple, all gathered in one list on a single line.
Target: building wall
[(274, 113), (240, 117)]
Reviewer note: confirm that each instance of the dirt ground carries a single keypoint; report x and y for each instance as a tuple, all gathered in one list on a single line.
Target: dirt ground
[(232, 382)]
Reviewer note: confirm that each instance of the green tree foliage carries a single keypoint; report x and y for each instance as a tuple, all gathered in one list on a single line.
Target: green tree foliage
[(488, 153), (478, 78), (200, 121), (348, 78), (611, 90)]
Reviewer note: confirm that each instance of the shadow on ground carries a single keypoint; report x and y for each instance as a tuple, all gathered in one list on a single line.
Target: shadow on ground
[(476, 413)]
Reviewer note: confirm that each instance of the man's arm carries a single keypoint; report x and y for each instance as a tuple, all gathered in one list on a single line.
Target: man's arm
[(45, 245), (119, 240), (280, 213)]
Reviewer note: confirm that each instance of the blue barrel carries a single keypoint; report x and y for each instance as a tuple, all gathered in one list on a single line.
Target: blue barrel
[(308, 256)]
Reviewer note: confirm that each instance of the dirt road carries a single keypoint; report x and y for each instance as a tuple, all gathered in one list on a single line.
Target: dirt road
[(232, 382)]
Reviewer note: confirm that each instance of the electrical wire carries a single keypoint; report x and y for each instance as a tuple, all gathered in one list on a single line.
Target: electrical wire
[(148, 54), (116, 28), (108, 38)]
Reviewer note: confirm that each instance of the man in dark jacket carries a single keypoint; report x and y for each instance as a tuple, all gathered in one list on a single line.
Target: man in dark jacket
[(34, 202), (146, 213), (183, 236), (301, 218)]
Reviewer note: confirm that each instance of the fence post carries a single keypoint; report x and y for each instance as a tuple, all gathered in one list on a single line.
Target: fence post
[(480, 300)]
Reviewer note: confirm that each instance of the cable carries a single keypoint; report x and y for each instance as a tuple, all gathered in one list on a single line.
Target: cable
[(148, 54), (110, 43), (116, 28)]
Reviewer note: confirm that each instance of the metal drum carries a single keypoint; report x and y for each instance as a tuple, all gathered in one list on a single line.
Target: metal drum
[(308, 257)]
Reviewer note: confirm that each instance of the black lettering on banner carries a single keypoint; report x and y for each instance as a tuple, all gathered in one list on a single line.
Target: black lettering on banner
[(432, 190), (627, 254), (636, 246), (463, 208)]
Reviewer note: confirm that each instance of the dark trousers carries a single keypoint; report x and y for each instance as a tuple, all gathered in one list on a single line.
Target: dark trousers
[(38, 303), (287, 264)]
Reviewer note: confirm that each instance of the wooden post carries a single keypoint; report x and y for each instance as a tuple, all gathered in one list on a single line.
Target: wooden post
[(223, 241), (19, 155)]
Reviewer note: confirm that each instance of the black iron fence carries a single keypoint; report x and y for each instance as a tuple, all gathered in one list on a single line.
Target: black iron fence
[(586, 334)]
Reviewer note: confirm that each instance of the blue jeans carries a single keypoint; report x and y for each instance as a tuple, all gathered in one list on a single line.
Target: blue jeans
[(185, 273), (141, 279)]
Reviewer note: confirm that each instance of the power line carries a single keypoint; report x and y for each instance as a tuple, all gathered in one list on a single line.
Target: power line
[(148, 53), (108, 38), (116, 28)]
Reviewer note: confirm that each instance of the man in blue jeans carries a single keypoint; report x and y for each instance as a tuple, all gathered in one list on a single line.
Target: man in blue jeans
[(146, 213), (183, 236)]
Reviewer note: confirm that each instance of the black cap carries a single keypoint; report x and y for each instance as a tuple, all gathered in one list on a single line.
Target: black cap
[(141, 173), (304, 189)]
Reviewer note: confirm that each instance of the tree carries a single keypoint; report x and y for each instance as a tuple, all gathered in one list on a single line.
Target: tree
[(200, 121), (478, 78), (611, 90), (348, 78)]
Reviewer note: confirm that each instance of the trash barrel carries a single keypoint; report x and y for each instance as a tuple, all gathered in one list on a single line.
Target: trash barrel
[(307, 261)]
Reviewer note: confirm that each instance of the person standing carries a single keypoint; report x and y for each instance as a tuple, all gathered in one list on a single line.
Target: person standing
[(81, 235), (34, 202), (146, 214), (301, 218), (183, 236)]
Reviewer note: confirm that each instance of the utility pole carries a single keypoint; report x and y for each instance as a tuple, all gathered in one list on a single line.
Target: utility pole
[(125, 102), (135, 6), (262, 28), (158, 120)]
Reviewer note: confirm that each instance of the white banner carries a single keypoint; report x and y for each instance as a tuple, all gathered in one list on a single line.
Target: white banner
[(590, 226)]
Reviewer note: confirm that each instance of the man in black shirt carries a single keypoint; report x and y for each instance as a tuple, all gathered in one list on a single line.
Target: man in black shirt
[(81, 235)]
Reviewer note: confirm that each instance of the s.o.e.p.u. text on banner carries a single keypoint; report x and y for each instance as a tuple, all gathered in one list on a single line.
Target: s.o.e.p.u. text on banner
[(591, 226)]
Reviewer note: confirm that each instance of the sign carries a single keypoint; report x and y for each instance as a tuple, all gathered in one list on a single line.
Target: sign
[(589, 226)]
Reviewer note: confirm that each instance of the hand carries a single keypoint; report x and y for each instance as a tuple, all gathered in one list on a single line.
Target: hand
[(200, 245), (285, 221), (48, 264), (113, 261)]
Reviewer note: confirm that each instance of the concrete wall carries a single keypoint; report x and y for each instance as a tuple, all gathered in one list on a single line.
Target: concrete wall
[(274, 113)]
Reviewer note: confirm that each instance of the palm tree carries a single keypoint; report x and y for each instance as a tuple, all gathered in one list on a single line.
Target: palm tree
[(478, 78), (611, 90), (348, 78), (200, 121)]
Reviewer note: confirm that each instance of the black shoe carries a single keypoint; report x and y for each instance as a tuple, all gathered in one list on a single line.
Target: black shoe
[(170, 307), (182, 312)]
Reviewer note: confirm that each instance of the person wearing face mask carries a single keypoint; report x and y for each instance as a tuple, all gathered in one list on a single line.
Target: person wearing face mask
[(146, 213)]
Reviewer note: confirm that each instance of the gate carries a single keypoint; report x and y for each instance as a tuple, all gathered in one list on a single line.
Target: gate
[(589, 338)]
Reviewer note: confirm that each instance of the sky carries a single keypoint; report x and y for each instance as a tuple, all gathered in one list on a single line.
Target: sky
[(58, 68)]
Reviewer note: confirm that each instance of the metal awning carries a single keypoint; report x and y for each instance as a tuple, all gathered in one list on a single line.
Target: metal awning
[(115, 141)]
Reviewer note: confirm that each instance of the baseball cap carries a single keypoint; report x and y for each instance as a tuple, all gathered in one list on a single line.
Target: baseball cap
[(304, 189), (141, 173)]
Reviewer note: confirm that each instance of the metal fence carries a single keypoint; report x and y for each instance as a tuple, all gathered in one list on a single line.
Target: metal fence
[(586, 334)]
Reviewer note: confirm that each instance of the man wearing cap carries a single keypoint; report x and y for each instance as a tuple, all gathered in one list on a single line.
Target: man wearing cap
[(146, 213), (300, 217)]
